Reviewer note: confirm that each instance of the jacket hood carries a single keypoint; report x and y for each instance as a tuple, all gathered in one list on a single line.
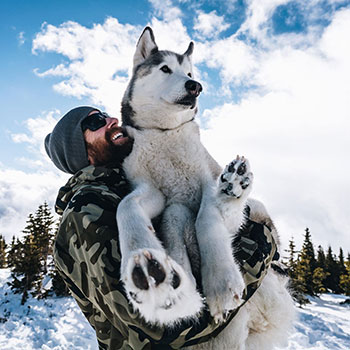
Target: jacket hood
[(97, 178)]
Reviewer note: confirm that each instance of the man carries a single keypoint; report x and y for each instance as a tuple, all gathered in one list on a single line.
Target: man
[(91, 146)]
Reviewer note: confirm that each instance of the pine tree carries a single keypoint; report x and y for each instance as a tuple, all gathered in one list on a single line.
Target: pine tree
[(291, 259), (305, 266), (29, 256), (26, 264), (58, 288), (318, 277), (13, 252), (58, 285), (44, 234), (345, 278), (297, 290), (341, 263), (3, 259), (332, 267), (321, 258)]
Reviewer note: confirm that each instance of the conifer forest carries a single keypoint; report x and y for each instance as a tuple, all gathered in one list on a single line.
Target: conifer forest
[(312, 271)]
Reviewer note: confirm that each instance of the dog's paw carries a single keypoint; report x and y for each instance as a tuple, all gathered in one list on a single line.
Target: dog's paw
[(223, 289), (159, 288), (235, 181)]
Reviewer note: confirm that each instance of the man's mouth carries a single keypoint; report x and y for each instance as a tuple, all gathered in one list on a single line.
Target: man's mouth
[(119, 137)]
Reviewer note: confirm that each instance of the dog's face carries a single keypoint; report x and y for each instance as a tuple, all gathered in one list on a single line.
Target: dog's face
[(162, 93)]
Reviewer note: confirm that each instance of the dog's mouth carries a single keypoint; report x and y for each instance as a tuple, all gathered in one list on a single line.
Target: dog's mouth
[(188, 101)]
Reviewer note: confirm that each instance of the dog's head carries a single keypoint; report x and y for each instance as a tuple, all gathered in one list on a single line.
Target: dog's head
[(161, 93)]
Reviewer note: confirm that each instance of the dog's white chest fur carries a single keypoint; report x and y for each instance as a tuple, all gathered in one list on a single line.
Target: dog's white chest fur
[(171, 160)]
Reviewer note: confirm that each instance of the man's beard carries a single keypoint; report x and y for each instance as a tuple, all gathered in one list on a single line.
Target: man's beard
[(106, 153)]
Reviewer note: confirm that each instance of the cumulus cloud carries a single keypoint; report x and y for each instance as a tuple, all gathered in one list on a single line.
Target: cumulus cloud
[(209, 25), (290, 120), (33, 138), (21, 192), (294, 128), (258, 16), (165, 9), (98, 59)]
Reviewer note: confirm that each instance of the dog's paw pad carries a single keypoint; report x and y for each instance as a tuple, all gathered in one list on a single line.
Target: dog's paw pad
[(236, 178), (159, 288)]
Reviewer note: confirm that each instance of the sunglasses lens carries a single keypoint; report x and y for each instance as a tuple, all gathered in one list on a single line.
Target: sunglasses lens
[(94, 122)]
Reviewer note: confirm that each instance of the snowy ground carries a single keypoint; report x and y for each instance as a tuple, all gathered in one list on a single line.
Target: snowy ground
[(57, 324), (54, 323)]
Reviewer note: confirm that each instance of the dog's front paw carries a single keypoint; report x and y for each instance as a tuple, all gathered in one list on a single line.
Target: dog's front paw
[(223, 289), (235, 181), (159, 288)]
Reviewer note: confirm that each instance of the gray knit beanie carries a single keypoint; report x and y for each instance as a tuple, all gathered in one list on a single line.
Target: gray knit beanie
[(65, 145)]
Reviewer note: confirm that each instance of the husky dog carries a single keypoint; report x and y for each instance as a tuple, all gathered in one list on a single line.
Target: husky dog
[(172, 172)]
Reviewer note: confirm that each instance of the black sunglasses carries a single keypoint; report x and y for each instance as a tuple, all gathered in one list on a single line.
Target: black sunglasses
[(94, 121)]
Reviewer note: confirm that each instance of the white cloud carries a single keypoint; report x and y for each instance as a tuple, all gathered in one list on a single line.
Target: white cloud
[(234, 60), (294, 129), (258, 14), (293, 126), (33, 139), (209, 25), (21, 192), (98, 59), (21, 39), (165, 9)]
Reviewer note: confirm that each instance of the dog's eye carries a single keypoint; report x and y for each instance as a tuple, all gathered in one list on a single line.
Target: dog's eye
[(166, 69), (190, 75)]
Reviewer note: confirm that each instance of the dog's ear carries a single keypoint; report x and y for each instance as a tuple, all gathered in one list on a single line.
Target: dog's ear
[(189, 50), (145, 46)]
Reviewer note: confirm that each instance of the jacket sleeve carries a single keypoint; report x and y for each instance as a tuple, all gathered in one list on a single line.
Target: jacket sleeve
[(87, 256)]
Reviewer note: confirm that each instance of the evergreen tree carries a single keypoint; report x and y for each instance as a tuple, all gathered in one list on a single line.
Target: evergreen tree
[(26, 263), (305, 266), (291, 259), (321, 258), (58, 288), (3, 260), (341, 263), (29, 256), (58, 285), (44, 234), (345, 278), (13, 252), (318, 277), (332, 267), (297, 290)]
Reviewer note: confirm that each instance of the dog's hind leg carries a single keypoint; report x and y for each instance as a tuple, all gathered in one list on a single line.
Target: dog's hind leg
[(175, 220)]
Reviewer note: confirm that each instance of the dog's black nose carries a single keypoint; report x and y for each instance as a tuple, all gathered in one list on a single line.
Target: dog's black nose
[(193, 87)]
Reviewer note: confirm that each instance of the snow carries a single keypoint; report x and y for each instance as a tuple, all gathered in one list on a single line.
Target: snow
[(324, 324), (58, 324), (51, 324)]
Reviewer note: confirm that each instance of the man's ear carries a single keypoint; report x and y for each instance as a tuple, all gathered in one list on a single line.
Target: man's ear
[(145, 46)]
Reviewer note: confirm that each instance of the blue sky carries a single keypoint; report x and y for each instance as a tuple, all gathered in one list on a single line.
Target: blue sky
[(276, 84)]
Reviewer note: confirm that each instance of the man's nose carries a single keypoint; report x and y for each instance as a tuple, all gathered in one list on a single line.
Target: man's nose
[(112, 122)]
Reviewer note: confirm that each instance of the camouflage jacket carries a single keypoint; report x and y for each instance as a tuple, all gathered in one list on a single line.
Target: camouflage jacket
[(87, 256)]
